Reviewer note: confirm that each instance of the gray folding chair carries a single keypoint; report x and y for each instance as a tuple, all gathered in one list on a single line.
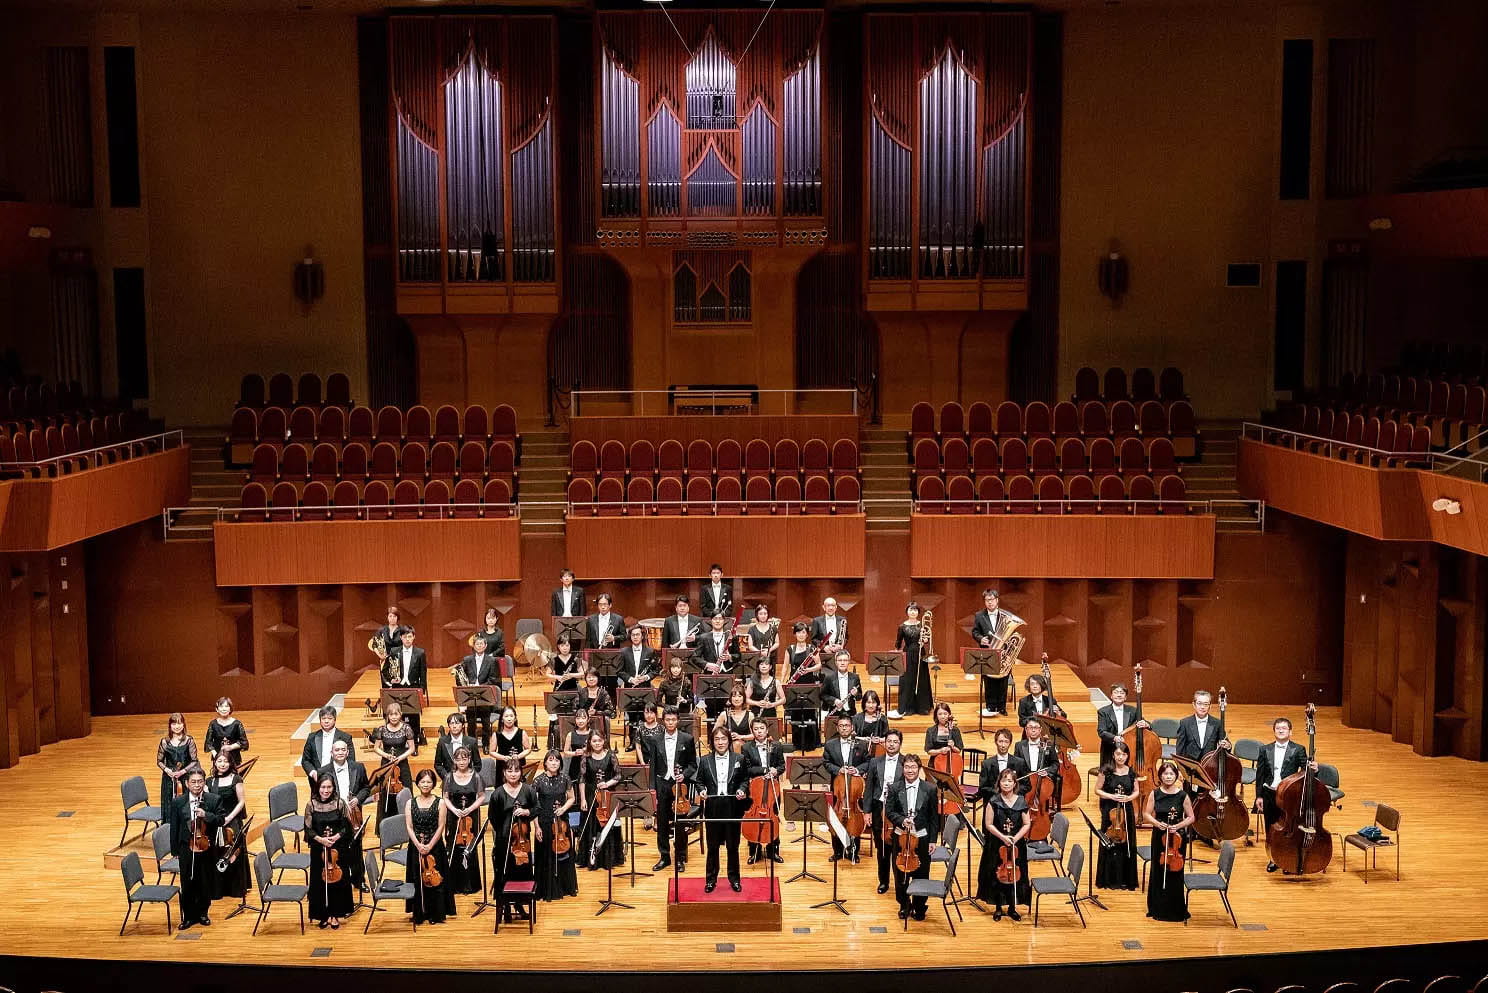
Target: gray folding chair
[(948, 848), (1051, 850), (1248, 749), (404, 795), (392, 841), (1066, 885), (1217, 882), (164, 860), (1166, 728), (1328, 775), (284, 810), (1387, 817), (1144, 853), (139, 894), (384, 890), (938, 889), (279, 859), (270, 892), (137, 806)]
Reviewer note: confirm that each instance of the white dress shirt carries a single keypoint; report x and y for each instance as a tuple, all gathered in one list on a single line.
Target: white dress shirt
[(1281, 750), (567, 594), (911, 793), (327, 739), (721, 773), (891, 768), (407, 661), (669, 748), (1202, 723), (343, 780), (1119, 715)]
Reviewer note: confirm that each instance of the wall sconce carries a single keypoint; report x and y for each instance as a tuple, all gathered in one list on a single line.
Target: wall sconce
[(309, 279), (1113, 274), (1444, 506)]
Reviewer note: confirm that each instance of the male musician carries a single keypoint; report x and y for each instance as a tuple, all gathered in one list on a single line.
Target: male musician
[(841, 687), (391, 633), (681, 630), (412, 670), (911, 807), (481, 668), (567, 600), (845, 754), (994, 764), (764, 757), (716, 595), (638, 668), (605, 630), (454, 737), (983, 628), (1036, 752), (1111, 722), (830, 628), (1277, 761), (673, 767), (316, 754), (197, 868), (351, 786), (883, 772), (722, 779), (1198, 734), (718, 650)]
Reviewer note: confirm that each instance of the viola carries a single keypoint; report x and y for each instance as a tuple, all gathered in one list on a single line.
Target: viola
[(681, 801), (763, 827), (604, 806), (521, 842), (430, 874), (907, 860), (1172, 858), (395, 780), (331, 870), (1008, 872), (847, 798), (1219, 815), (354, 816), (1116, 824), (1143, 744), (1040, 800), (1298, 842), (179, 781), (562, 835)]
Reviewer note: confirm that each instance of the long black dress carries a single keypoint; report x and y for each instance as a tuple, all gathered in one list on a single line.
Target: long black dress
[(757, 690), (915, 691), (870, 727), (503, 867), (233, 882), (1165, 887), (505, 746), (578, 741), (555, 874), (675, 693), (464, 874), (612, 852), (1116, 867), (805, 723), (218, 735), (763, 639), (430, 904), (175, 756), (738, 726), (394, 743), (328, 900), (1009, 819)]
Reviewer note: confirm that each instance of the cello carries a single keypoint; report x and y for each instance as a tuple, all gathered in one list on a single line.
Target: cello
[(1298, 842), (1040, 800), (762, 824), (1143, 744), (952, 764), (1219, 815), (1069, 774), (847, 797)]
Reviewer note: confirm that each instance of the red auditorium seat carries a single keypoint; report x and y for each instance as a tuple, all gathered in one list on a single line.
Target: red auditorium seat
[(984, 456), (390, 424), (447, 424), (699, 495), (331, 425), (501, 462), (817, 494), (338, 390), (354, 462), (757, 497), (1160, 458), (1113, 387), (1123, 419), (926, 458), (611, 459), (669, 495), (1170, 385), (729, 494), (361, 426), (844, 456), (1111, 491), (952, 420), (847, 494), (504, 421), (415, 462), (640, 492), (1080, 491), (345, 501), (979, 421), (1087, 384), (1143, 495), (960, 495), (1009, 420), (1172, 493), (307, 391), (955, 459), (1093, 422), (442, 460), (436, 499), (728, 459), (255, 499), (250, 391), (497, 498), (376, 498), (284, 502), (787, 459), (757, 457), (273, 425), (1133, 457), (1038, 422), (1014, 456), (1152, 419), (1066, 419), (294, 463), (1143, 385), (583, 459), (418, 425), (642, 459), (281, 390), (1020, 495), (384, 462), (921, 421), (473, 460), (788, 494), (243, 428), (1051, 495), (1043, 458), (1072, 456), (930, 494), (671, 460), (264, 467), (406, 498), (476, 424), (700, 458), (816, 458), (1371, 437), (317, 502), (466, 499), (323, 462)]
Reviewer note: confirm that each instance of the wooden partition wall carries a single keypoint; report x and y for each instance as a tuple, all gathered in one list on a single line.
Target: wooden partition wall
[(44, 677), (52, 512), (794, 546), (685, 428), (1078, 546)]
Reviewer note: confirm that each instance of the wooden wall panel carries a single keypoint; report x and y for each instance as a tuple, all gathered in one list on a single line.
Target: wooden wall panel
[(1067, 547), (820, 547), (43, 514), (43, 670), (69, 614), (714, 429), (322, 552)]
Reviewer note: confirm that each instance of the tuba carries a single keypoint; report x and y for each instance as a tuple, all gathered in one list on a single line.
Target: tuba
[(1007, 641), (927, 639)]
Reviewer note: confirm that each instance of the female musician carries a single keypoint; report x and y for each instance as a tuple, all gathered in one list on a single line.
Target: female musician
[(327, 829), (1116, 867), (495, 640), (226, 733), (802, 667), (393, 743), (595, 698), (644, 734), (228, 786), (676, 688), (563, 668), (391, 633), (510, 741), (764, 634), (176, 756), (599, 771), (1006, 822), (512, 803), (1037, 701), (736, 718), (555, 798), (943, 737), (763, 692), (424, 818), (914, 685), (464, 792), (1169, 812), (572, 748), (872, 725)]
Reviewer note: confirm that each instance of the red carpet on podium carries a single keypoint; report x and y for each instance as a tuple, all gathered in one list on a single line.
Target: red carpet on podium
[(756, 890)]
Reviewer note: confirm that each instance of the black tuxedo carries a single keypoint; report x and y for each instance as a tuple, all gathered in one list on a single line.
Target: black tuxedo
[(830, 696), (819, 629), (391, 638), (198, 869), (723, 604), (875, 803), (359, 790), (856, 757), (1265, 768), (310, 754), (672, 632), (418, 675), (485, 672), (595, 631), (444, 754), (994, 688), (1028, 708), (650, 667), (707, 650), (1105, 726), (685, 760), (1048, 759), (760, 759), (720, 799), (576, 604), (926, 814), (1189, 745), (987, 783)]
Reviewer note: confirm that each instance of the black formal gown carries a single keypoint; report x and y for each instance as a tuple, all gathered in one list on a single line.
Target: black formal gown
[(430, 904), (234, 882), (612, 852), (1009, 820), (764, 639), (506, 745), (805, 723), (870, 727), (676, 693), (555, 874), (504, 867), (578, 741), (394, 743), (1165, 886), (757, 690), (328, 900), (175, 756), (233, 732), (464, 873), (738, 724), (1116, 867), (915, 692)]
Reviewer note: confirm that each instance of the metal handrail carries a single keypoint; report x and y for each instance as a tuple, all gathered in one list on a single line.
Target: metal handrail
[(443, 511), (92, 454), (652, 505), (1257, 507), (576, 396), (1262, 432)]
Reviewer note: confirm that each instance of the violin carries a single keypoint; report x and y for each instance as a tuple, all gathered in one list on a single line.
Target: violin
[(465, 832), (1069, 773), (1008, 872), (562, 835), (847, 798), (604, 806), (1219, 815), (763, 824), (1116, 824), (1143, 744), (395, 781), (430, 874), (1298, 842), (1172, 857), (330, 870), (907, 860), (179, 781), (201, 840), (521, 842), (1040, 800), (681, 801)]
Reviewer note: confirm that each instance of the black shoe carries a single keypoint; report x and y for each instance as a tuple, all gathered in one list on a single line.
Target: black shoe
[(904, 913), (1013, 913), (777, 857), (184, 925), (1272, 867), (834, 858), (919, 915), (883, 887), (663, 864), (736, 886), (997, 914), (322, 925), (204, 921), (710, 886), (682, 865)]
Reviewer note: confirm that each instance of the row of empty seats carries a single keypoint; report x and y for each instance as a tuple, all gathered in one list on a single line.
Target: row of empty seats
[(1109, 494), (1043, 457), (1092, 419), (275, 426), (1458, 362), (283, 391), (1167, 387), (1454, 412), (378, 500), (296, 463), (39, 402), (1370, 440), (669, 459), (756, 494), (109, 438)]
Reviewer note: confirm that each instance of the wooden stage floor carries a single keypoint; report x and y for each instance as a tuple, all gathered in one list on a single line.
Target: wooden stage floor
[(61, 901)]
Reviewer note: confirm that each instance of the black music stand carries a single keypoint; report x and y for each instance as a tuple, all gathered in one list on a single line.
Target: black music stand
[(708, 690), (981, 662), (410, 698), (886, 664), (747, 662), (692, 662), (1097, 837), (835, 826), (571, 626), (633, 779), (632, 803), (609, 900), (484, 903), (633, 699), (606, 662), (808, 772), (488, 697), (561, 703), (1197, 777), (804, 698), (806, 807)]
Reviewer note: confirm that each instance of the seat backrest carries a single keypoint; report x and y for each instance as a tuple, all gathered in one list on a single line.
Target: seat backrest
[(283, 799), (392, 833), (1165, 727), (273, 839), (950, 867), (1248, 749), (263, 872), (951, 833), (921, 419), (250, 391), (132, 872), (1226, 860), (338, 389), (160, 842), (134, 792), (1059, 831), (1075, 864), (372, 870), (1328, 774), (1388, 818)]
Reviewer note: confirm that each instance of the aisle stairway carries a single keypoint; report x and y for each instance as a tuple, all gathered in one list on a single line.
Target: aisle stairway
[(543, 481), (213, 485), (886, 492)]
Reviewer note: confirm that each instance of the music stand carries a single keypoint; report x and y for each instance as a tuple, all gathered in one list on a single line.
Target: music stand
[(806, 807), (712, 689), (479, 697), (981, 662), (609, 900), (606, 662), (571, 626), (560, 703), (835, 826), (808, 772), (633, 779), (1060, 731), (633, 699), (747, 662), (692, 664), (632, 803), (1097, 837), (886, 664), (407, 697), (1196, 777), (803, 697)]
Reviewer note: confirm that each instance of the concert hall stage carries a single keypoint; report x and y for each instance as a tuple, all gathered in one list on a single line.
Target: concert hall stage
[(61, 905)]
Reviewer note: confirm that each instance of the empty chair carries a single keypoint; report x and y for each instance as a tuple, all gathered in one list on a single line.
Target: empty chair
[(273, 425), (611, 460), (1038, 421), (1160, 457), (501, 461), (1123, 419), (757, 495), (1111, 492), (376, 498), (1184, 431), (331, 425), (302, 422), (1067, 885), (955, 457), (1172, 492), (960, 495), (284, 501), (641, 460), (137, 806), (926, 458), (504, 421), (264, 466), (583, 458), (984, 456), (1080, 491), (160, 841), (465, 500), (699, 458), (250, 391), (952, 420), (255, 501), (1093, 420), (788, 494), (1066, 419), (844, 456), (447, 424), (1143, 495), (418, 425), (406, 498), (436, 499), (816, 458), (243, 428), (1009, 420), (384, 464), (1051, 850), (847, 494), (1152, 419), (668, 495), (1051, 494), (930, 495), (1133, 457), (1113, 385), (979, 420), (476, 424), (380, 889), (729, 494), (728, 458), (921, 421), (787, 458), (497, 498), (610, 495), (307, 390), (138, 893), (1043, 457), (1143, 385), (344, 501), (699, 495), (361, 426), (270, 892), (1072, 456), (1020, 495), (415, 463), (1170, 385), (938, 887), (390, 424), (1216, 882), (1387, 818), (316, 501), (671, 460), (1014, 457), (757, 457), (281, 390), (817, 494), (639, 493), (472, 460), (990, 494), (1087, 384), (322, 460), (338, 389)]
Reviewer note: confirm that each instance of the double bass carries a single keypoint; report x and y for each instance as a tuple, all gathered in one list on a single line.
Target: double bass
[(1069, 773), (1218, 814), (1143, 744), (1298, 842)]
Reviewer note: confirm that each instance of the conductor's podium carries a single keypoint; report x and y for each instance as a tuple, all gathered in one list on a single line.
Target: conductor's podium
[(755, 908)]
